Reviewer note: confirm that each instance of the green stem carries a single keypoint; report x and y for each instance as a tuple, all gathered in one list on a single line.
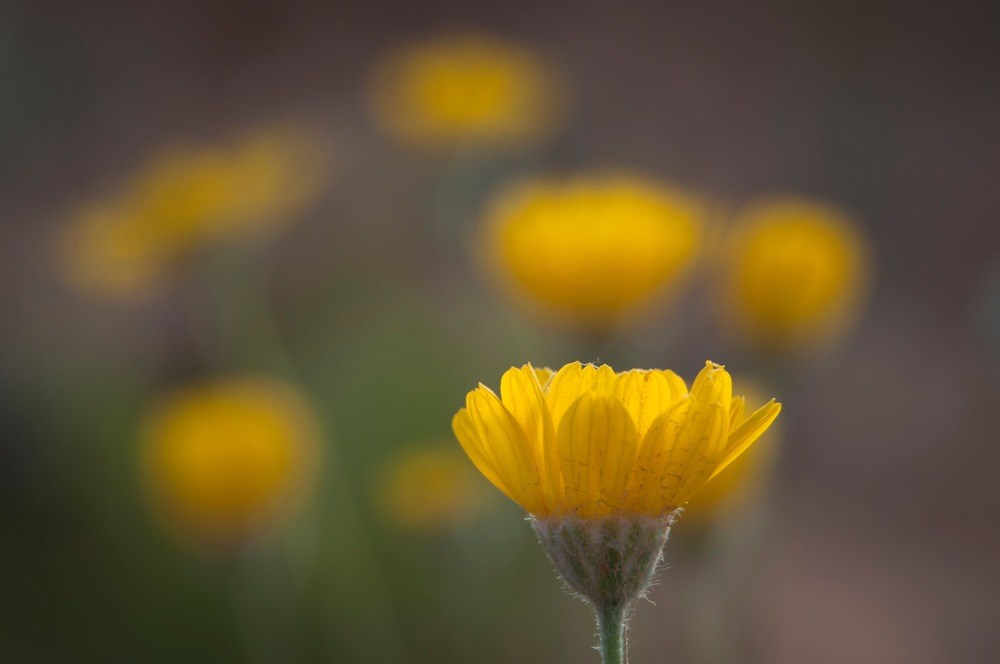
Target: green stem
[(241, 284), (611, 623)]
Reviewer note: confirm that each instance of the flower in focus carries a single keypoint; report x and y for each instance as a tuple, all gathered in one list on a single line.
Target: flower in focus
[(427, 489), (592, 250), (591, 443), (794, 273), (186, 196), (744, 478), (466, 88), (224, 460), (602, 462)]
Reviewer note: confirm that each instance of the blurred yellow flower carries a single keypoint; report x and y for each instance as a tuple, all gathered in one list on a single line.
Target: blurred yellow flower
[(587, 442), (183, 197), (592, 250), (427, 488), (466, 88), (793, 274), (224, 460), (103, 252), (744, 478)]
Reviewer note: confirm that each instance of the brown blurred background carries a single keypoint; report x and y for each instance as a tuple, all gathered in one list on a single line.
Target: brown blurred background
[(880, 539)]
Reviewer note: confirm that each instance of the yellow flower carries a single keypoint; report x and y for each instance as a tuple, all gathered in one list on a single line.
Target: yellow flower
[(278, 170), (186, 196), (743, 479), (225, 459), (794, 273), (103, 252), (427, 488), (592, 250), (587, 442), (465, 88)]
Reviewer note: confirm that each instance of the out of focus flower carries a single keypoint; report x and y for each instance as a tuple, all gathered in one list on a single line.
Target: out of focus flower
[(466, 89), (795, 272), (184, 197), (427, 489), (593, 250), (745, 477), (224, 460), (602, 461)]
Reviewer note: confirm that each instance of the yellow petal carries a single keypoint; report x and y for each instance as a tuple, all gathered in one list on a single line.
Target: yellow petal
[(575, 379), (472, 443), (597, 446), (748, 432), (713, 385), (543, 375), (677, 385), (645, 486), (702, 439), (522, 396), (680, 446), (736, 407), (646, 394), (511, 452)]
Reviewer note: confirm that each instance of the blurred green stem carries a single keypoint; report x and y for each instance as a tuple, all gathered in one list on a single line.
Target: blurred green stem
[(235, 328), (611, 624)]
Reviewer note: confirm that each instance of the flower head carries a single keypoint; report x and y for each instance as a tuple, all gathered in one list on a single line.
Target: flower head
[(794, 273), (587, 442), (465, 88), (223, 460), (427, 488), (592, 250), (186, 196)]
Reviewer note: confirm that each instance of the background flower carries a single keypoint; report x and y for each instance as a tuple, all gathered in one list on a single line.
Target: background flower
[(592, 250), (223, 460), (466, 88), (186, 196), (795, 273), (427, 488)]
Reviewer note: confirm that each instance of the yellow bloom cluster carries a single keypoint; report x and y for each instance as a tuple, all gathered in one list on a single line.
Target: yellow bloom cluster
[(224, 459), (465, 88), (186, 196), (794, 273), (592, 250), (590, 443)]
